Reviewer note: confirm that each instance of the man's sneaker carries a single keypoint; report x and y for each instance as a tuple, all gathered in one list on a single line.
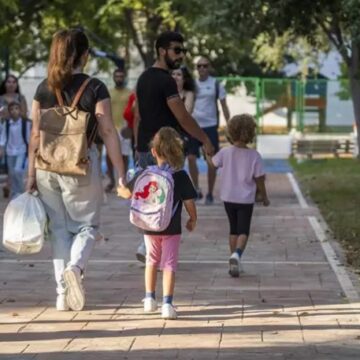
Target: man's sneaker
[(209, 200), (110, 187), (75, 295), (199, 194), (168, 312), (150, 305), (234, 265), (141, 253), (61, 303)]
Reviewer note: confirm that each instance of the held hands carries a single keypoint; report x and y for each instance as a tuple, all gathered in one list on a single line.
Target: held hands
[(191, 224), (208, 148), (122, 190)]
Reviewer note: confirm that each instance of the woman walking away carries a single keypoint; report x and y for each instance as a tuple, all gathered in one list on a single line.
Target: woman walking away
[(162, 248), (72, 202), (241, 173)]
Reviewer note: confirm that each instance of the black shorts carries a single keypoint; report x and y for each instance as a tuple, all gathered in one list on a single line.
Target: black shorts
[(239, 216), (194, 145)]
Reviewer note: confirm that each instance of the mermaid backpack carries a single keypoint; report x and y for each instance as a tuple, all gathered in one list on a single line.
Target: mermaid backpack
[(152, 199)]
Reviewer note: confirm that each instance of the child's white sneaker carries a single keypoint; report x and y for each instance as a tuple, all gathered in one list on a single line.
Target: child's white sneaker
[(61, 303), (150, 305), (168, 312), (75, 295), (234, 265)]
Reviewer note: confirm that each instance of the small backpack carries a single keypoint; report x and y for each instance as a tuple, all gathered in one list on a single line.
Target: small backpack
[(63, 140), (152, 200)]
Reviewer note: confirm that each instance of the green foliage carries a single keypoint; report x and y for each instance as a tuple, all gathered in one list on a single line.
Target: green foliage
[(334, 186)]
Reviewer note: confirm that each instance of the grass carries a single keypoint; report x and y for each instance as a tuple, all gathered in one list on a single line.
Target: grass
[(334, 185)]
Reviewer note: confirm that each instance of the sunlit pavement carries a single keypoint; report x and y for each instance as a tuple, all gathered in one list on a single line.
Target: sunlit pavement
[(287, 305)]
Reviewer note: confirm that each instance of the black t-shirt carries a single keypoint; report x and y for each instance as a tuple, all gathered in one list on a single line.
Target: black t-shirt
[(94, 92), (183, 190), (155, 86)]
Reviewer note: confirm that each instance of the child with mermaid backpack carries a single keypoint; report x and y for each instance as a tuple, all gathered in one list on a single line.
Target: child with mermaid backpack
[(162, 247)]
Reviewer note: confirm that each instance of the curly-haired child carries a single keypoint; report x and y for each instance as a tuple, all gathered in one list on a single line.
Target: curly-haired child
[(241, 174), (162, 248)]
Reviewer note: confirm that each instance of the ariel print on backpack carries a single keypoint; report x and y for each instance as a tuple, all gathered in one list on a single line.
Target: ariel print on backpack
[(152, 201), (152, 193)]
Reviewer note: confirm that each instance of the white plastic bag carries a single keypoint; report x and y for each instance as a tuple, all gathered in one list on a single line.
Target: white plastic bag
[(24, 225)]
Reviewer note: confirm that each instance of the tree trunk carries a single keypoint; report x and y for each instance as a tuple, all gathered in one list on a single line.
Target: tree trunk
[(355, 87)]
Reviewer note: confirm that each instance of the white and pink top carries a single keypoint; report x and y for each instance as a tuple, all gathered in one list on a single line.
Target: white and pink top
[(239, 168)]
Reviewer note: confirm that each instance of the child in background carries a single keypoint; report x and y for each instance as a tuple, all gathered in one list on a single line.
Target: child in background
[(14, 142), (241, 174), (162, 248)]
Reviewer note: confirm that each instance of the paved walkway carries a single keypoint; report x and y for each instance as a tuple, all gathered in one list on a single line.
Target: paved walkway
[(288, 305)]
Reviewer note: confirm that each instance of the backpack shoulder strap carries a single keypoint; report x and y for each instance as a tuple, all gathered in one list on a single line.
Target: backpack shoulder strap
[(77, 97), (80, 92), (59, 98), (217, 89), (7, 130), (24, 130)]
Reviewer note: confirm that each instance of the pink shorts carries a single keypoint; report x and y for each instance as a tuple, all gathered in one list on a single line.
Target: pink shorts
[(162, 251)]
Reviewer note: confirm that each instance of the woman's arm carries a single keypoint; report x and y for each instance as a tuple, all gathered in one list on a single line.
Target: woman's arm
[(189, 101), (109, 135), (33, 145)]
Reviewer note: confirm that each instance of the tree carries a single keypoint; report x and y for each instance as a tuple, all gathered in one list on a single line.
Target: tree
[(340, 22), (30, 24)]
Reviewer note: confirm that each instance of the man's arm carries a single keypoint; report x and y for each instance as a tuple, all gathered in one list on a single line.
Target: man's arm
[(225, 109), (188, 123)]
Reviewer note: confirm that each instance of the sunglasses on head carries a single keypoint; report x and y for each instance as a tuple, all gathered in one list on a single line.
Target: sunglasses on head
[(205, 66), (178, 50)]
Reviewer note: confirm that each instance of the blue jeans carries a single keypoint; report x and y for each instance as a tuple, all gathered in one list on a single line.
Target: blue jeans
[(16, 171), (72, 204)]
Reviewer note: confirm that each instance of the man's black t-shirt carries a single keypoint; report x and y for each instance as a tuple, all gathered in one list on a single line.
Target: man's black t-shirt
[(155, 86), (183, 190), (94, 92)]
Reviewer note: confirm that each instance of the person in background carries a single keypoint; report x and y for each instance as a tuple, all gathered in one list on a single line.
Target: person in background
[(10, 92), (186, 87), (14, 141), (208, 92), (129, 115), (119, 97)]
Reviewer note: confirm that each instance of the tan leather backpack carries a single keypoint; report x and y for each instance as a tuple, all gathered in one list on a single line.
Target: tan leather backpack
[(63, 140)]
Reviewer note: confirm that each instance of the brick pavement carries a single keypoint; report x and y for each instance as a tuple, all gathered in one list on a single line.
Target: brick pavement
[(287, 305)]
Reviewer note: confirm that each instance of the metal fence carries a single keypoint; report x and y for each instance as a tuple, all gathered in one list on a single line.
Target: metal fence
[(279, 105)]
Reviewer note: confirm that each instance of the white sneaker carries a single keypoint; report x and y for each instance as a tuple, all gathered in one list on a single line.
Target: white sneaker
[(141, 252), (234, 265), (150, 305), (168, 312), (61, 303), (75, 296)]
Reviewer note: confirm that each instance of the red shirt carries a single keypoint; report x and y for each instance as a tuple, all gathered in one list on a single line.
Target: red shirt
[(129, 111)]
